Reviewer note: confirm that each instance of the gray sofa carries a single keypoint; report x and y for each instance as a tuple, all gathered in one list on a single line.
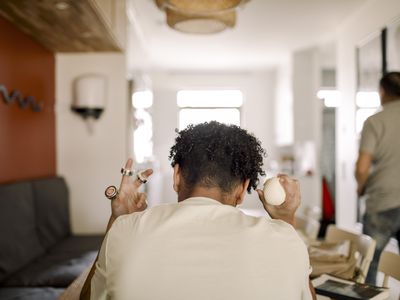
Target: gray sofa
[(39, 257)]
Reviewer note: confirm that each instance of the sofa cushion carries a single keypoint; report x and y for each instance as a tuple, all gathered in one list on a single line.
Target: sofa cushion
[(23, 293), (52, 210), (19, 243), (77, 244), (61, 265)]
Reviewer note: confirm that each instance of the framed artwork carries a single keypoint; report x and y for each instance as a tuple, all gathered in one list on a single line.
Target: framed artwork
[(393, 46)]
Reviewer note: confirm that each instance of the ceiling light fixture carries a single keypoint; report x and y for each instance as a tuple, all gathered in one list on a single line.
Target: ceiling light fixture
[(201, 17)]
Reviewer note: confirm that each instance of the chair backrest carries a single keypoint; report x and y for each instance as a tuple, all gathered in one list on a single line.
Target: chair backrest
[(308, 226), (364, 244), (389, 265)]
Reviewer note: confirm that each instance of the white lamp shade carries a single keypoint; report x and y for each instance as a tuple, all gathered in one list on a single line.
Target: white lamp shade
[(90, 92)]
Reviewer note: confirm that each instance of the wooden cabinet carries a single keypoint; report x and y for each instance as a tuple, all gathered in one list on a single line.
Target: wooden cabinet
[(70, 26)]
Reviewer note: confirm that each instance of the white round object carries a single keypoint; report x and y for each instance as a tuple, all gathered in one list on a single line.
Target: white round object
[(274, 193)]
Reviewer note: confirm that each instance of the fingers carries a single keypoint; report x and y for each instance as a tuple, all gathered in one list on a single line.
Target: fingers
[(145, 174), (287, 209), (290, 185), (142, 203), (137, 183), (128, 166), (285, 180), (292, 190)]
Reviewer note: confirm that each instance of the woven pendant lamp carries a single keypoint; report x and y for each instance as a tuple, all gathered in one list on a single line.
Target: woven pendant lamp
[(200, 23), (200, 16), (203, 6)]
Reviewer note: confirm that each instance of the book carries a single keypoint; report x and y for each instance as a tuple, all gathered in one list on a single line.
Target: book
[(341, 289)]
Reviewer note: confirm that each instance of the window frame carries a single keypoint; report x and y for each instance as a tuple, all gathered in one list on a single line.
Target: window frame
[(192, 107)]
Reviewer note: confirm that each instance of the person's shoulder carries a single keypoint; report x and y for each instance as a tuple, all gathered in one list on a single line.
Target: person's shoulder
[(374, 120), (136, 216), (376, 116), (281, 233), (276, 224), (381, 117), (290, 238), (161, 209), (285, 229), (272, 225), (125, 221)]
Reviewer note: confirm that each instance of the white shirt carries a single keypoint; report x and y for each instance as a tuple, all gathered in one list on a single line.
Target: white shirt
[(200, 249)]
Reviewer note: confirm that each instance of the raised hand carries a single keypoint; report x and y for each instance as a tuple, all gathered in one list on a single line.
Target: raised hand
[(129, 199), (287, 209)]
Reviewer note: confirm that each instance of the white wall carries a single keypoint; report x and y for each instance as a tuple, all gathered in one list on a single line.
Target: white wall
[(373, 16), (307, 111), (91, 162), (284, 134), (257, 113)]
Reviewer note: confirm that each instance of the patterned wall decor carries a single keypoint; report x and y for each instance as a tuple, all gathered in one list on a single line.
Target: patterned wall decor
[(23, 102)]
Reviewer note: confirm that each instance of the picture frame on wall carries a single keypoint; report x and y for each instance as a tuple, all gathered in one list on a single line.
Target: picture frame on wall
[(393, 46)]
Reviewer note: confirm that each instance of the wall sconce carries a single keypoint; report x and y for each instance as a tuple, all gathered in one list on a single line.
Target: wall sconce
[(89, 97)]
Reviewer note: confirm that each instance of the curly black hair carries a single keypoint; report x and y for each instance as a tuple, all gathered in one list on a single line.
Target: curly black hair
[(212, 154)]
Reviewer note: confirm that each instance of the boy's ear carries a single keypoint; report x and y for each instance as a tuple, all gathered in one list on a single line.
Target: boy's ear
[(177, 178), (241, 191)]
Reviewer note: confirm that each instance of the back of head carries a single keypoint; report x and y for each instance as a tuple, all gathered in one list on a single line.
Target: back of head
[(217, 155), (390, 83)]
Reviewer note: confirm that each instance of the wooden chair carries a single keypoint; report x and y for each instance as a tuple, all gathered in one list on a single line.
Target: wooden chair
[(389, 265), (364, 244)]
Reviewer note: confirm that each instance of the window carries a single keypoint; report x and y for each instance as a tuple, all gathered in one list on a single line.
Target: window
[(198, 106), (143, 132), (331, 98), (368, 104)]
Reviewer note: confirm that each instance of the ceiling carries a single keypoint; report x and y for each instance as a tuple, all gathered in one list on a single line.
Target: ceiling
[(49, 23), (267, 31)]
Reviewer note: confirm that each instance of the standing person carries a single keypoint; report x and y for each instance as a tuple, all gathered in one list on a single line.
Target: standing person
[(378, 169), (203, 247)]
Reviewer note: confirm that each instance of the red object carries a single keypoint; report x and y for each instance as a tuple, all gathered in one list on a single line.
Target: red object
[(328, 210)]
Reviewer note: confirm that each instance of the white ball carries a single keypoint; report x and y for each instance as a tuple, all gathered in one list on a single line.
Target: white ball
[(274, 193)]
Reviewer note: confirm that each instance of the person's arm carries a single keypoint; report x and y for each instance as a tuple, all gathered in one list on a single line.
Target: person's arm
[(286, 211), (129, 200), (363, 165), (85, 292), (312, 290)]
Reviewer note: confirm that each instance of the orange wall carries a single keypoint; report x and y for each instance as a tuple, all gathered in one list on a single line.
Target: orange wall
[(27, 138)]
